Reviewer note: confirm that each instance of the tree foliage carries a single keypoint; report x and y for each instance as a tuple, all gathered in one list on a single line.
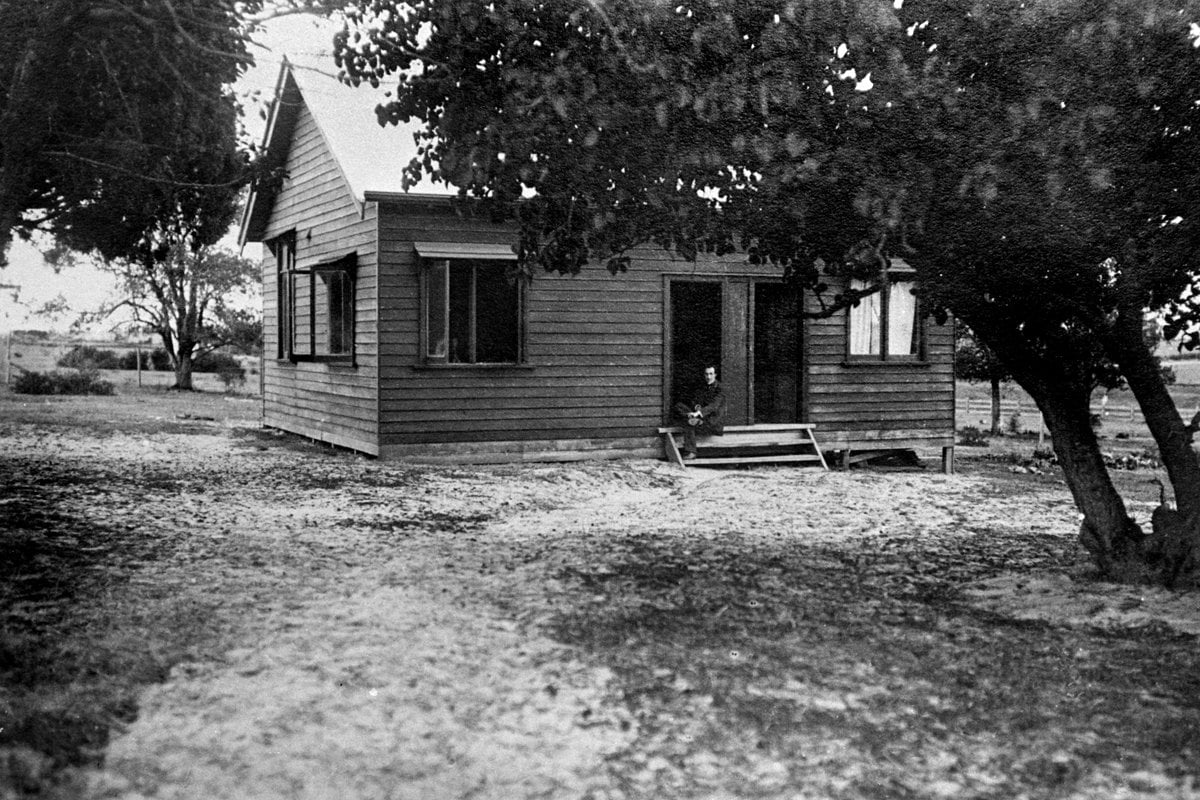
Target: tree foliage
[(703, 127), (104, 103)]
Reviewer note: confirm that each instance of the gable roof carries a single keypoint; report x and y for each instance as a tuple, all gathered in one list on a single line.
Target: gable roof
[(370, 157)]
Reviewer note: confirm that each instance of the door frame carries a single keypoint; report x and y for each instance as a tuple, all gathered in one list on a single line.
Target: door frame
[(737, 340)]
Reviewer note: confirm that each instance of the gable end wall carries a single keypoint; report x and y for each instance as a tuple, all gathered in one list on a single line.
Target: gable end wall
[(333, 403)]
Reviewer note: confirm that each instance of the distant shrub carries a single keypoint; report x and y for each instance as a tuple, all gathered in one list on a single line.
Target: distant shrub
[(227, 368), (217, 362), (130, 360), (86, 357), (1014, 424), (74, 382), (970, 436)]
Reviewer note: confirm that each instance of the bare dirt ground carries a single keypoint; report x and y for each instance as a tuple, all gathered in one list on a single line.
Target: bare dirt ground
[(192, 607)]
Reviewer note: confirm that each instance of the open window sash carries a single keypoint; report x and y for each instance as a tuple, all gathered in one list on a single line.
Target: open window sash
[(322, 305)]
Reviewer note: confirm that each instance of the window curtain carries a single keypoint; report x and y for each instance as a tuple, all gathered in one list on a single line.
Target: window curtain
[(865, 322), (902, 318)]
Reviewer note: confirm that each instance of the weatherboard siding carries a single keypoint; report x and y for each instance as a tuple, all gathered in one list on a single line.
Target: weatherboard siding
[(593, 372), (332, 402)]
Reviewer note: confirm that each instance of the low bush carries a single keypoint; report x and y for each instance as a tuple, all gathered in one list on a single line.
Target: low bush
[(228, 369), (1045, 454), (74, 382), (85, 357), (971, 436)]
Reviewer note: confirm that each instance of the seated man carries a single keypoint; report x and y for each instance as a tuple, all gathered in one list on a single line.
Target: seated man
[(705, 415)]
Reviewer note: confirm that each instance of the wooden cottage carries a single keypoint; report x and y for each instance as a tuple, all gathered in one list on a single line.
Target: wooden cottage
[(390, 328)]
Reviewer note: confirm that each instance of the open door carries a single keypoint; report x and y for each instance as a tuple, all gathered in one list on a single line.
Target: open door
[(695, 336), (776, 347)]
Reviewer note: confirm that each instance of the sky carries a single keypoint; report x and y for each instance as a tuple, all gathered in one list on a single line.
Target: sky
[(28, 284)]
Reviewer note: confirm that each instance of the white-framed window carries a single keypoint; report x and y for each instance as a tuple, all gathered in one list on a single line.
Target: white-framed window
[(472, 312), (886, 325), (315, 306)]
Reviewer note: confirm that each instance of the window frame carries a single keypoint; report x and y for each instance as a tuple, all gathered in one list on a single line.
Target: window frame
[(283, 248), (345, 267), (427, 265), (898, 274)]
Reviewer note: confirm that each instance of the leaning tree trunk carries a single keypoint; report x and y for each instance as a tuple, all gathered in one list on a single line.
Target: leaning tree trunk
[(1175, 545), (995, 406), (1063, 395), (1108, 533)]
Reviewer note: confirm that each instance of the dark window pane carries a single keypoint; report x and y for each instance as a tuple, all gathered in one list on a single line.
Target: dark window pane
[(496, 328), (339, 299), (460, 312)]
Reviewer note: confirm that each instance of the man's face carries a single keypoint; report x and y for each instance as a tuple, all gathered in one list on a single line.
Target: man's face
[(710, 375)]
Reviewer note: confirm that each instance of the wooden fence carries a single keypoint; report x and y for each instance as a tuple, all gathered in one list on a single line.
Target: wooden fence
[(1110, 411)]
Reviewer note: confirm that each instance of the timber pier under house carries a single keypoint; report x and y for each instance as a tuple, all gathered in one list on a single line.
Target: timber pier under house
[(390, 326)]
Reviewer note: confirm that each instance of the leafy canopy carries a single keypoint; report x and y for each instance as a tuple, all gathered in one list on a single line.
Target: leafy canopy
[(104, 105), (704, 126)]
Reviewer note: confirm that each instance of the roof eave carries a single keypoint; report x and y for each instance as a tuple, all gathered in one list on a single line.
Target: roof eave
[(253, 223)]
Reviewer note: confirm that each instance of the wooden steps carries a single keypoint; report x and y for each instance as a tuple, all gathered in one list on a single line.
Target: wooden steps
[(749, 444)]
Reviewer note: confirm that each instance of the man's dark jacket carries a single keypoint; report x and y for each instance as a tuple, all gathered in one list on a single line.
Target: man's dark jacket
[(711, 402)]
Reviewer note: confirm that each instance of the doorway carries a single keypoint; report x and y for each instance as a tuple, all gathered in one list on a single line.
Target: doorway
[(750, 330), (695, 336), (776, 350)]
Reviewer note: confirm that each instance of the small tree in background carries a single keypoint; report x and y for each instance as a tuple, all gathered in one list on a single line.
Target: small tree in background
[(189, 301), (975, 363)]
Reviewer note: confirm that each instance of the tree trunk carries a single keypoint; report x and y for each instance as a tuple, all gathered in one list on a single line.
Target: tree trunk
[(1176, 541), (1112, 538), (1063, 395), (995, 406), (183, 371), (1059, 378)]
